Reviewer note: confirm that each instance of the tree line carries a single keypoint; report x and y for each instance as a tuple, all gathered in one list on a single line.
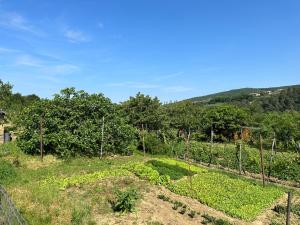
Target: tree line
[(77, 123)]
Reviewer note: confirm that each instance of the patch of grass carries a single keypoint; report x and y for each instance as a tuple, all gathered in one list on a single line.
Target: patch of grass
[(7, 172), (81, 216)]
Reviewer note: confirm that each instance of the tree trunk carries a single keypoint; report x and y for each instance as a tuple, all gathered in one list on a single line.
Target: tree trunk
[(272, 155), (187, 145), (211, 145)]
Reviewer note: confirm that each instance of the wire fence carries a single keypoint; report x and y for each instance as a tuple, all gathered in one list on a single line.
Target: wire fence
[(9, 215)]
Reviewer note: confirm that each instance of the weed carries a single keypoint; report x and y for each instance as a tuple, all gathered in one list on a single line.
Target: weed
[(125, 201)]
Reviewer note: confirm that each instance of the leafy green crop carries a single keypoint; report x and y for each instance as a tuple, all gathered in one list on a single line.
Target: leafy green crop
[(238, 198), (84, 179)]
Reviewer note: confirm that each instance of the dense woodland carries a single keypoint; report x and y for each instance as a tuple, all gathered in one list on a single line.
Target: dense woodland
[(75, 122)]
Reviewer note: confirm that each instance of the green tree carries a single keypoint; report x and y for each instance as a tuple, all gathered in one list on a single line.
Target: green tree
[(286, 127), (225, 120), (143, 110), (72, 125)]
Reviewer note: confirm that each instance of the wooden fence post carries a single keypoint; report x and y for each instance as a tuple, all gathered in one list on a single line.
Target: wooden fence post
[(143, 139), (289, 206), (102, 138), (262, 160), (41, 137)]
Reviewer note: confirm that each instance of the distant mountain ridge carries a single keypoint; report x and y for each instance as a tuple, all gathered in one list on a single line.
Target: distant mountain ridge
[(267, 99)]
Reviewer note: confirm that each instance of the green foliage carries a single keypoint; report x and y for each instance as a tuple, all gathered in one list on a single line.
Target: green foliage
[(143, 110), (13, 103), (175, 172), (72, 122), (7, 172), (285, 164), (239, 198), (148, 173), (286, 127), (125, 200), (84, 179), (225, 120)]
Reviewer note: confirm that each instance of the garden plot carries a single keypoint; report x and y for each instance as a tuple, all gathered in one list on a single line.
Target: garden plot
[(240, 198)]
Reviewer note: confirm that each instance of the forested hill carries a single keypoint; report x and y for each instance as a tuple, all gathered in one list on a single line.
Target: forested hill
[(260, 99)]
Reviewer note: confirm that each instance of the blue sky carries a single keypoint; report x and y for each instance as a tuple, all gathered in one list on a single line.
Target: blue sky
[(173, 49)]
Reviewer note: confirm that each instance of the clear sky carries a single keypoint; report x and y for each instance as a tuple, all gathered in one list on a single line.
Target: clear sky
[(173, 49)]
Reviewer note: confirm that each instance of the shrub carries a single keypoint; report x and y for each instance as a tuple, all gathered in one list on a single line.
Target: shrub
[(125, 201)]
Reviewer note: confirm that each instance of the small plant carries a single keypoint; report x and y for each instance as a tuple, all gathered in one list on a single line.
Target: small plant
[(192, 214), (177, 204), (125, 201), (164, 198), (279, 209), (182, 211)]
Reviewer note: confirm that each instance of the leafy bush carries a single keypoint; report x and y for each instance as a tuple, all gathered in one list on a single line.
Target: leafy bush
[(72, 122), (125, 201), (7, 172)]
